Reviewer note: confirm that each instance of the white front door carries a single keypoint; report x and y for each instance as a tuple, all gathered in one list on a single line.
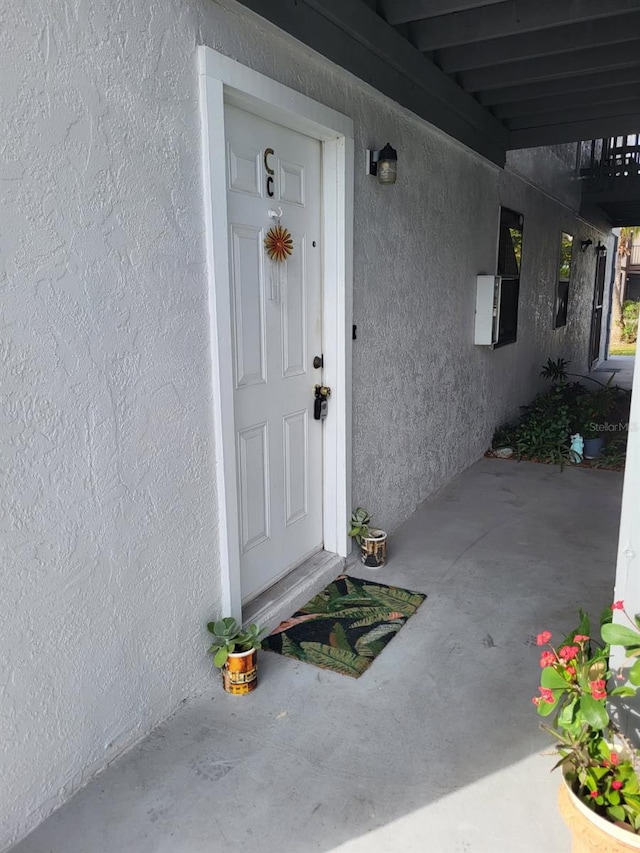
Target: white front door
[(276, 331)]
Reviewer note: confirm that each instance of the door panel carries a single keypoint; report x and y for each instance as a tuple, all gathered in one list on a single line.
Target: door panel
[(292, 183), (296, 465), (253, 474), (276, 329), (294, 311), (248, 305), (243, 168)]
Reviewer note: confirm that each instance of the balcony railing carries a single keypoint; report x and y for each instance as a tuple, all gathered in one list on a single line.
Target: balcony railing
[(604, 160), (609, 170)]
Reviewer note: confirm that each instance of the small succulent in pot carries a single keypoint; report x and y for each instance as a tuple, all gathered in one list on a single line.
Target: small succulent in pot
[(359, 524), (229, 637), (372, 541)]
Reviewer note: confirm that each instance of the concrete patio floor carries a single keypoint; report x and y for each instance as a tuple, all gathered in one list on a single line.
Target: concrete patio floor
[(436, 748), (621, 366)]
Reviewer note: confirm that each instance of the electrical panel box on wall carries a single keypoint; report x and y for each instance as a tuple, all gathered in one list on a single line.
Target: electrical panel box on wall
[(487, 309)]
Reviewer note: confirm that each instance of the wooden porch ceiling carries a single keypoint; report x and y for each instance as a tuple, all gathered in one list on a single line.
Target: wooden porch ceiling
[(495, 74)]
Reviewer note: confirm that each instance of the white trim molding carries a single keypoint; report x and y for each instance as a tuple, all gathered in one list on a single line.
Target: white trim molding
[(225, 81), (627, 586)]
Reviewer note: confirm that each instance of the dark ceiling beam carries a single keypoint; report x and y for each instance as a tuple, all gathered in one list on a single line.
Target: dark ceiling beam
[(591, 34), (559, 103), (558, 134), (563, 86), (401, 11), (537, 70), (574, 114), (353, 36), (624, 218), (617, 215), (551, 103), (622, 192), (510, 19)]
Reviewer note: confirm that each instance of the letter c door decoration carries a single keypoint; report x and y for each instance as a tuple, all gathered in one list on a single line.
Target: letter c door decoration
[(270, 172)]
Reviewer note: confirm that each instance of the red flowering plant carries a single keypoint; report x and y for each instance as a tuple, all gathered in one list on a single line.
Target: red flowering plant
[(576, 682)]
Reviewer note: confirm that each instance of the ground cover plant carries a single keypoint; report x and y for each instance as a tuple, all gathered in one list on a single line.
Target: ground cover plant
[(622, 349), (542, 432), (630, 313)]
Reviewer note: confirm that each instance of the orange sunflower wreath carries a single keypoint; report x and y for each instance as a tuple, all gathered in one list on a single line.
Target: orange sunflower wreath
[(278, 243)]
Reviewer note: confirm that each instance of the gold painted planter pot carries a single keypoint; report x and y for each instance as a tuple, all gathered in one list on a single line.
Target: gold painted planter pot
[(374, 549), (591, 833), (240, 672)]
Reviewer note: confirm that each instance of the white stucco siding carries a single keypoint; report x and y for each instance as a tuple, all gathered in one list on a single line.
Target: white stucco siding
[(108, 523)]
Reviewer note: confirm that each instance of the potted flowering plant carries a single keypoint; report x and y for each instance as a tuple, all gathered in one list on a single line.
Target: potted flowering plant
[(600, 766)]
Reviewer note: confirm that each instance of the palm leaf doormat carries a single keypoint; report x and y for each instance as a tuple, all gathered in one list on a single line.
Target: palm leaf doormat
[(346, 626)]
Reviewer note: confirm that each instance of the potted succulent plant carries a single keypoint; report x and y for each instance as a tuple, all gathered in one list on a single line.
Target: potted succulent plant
[(600, 795), (235, 652), (372, 540)]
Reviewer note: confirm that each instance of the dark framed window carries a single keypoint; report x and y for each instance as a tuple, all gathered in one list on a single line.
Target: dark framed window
[(564, 278), (509, 263)]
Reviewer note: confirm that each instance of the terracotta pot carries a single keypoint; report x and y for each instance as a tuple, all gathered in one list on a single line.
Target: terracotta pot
[(590, 832), (374, 548), (240, 672)]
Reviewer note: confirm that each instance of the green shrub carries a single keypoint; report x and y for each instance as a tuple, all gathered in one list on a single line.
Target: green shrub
[(614, 455), (543, 430), (630, 313)]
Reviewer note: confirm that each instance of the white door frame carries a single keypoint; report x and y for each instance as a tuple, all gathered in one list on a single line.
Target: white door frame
[(223, 80)]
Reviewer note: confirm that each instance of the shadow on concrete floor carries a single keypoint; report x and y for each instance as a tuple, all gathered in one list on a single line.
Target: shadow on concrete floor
[(437, 747)]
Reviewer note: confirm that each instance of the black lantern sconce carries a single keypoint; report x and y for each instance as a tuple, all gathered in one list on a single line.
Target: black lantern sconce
[(601, 250), (383, 164), (584, 245)]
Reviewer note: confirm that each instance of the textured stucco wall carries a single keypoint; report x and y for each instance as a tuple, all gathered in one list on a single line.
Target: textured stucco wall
[(108, 523), (437, 396), (109, 562), (552, 169)]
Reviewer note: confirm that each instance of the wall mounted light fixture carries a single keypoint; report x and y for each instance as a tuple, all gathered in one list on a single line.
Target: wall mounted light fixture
[(383, 164), (584, 245), (601, 250)]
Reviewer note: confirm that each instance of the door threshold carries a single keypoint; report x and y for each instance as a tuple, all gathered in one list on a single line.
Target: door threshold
[(284, 597)]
